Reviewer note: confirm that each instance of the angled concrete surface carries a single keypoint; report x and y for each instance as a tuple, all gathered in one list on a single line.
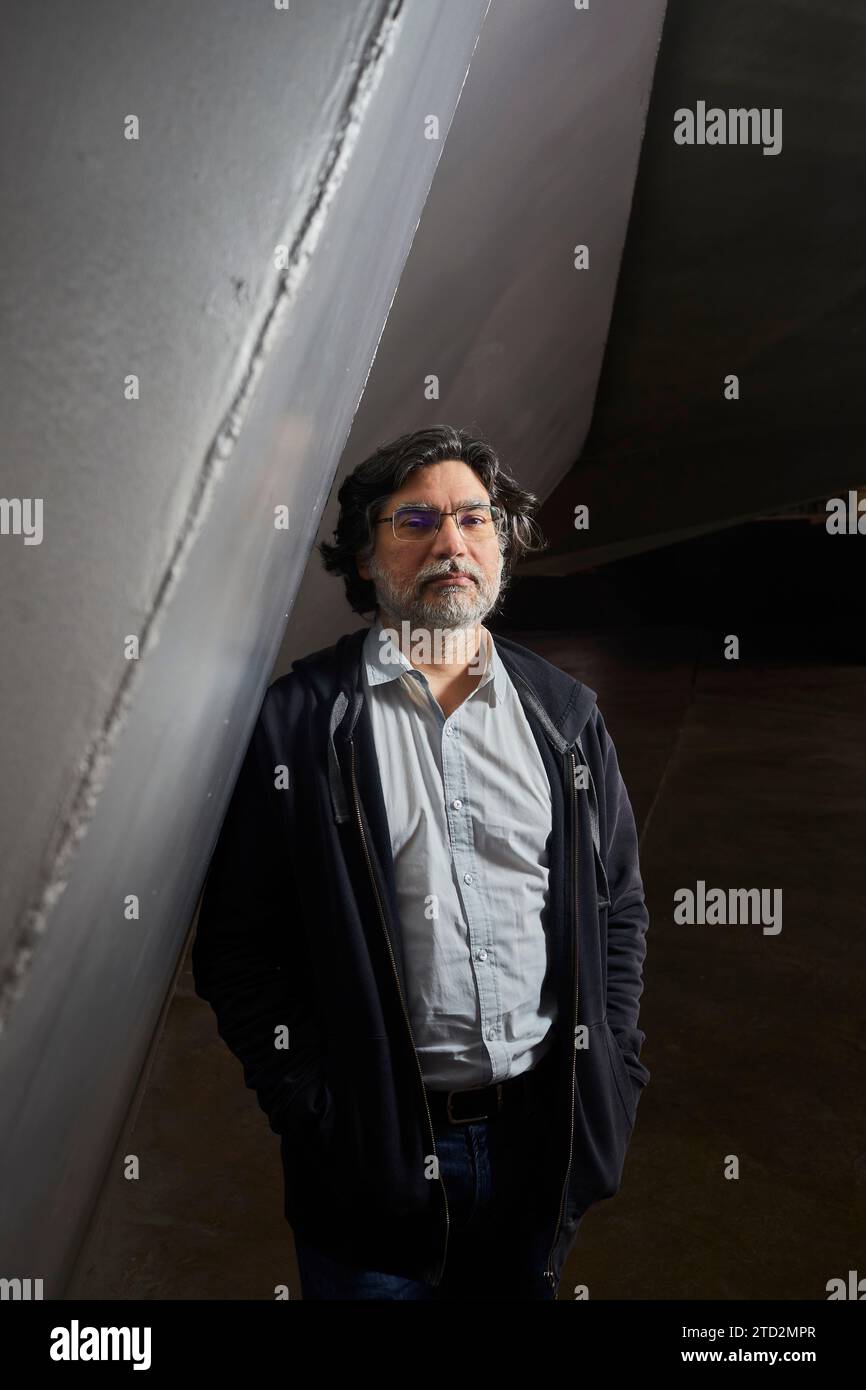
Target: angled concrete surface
[(259, 129)]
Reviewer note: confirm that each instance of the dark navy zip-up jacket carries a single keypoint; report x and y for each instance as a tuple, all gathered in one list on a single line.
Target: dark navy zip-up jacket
[(298, 933)]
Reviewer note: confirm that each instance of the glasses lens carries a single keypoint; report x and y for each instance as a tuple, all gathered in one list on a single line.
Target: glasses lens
[(412, 525), (476, 521)]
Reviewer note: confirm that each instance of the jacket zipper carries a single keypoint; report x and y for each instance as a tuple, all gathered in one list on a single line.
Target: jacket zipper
[(549, 1272), (441, 1268)]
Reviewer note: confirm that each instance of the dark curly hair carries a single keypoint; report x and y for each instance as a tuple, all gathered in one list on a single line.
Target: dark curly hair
[(364, 492)]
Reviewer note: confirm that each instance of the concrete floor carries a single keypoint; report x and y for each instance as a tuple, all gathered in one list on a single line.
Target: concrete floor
[(744, 775)]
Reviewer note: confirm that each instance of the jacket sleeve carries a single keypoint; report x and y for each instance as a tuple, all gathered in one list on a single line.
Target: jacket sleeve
[(249, 958), (628, 919)]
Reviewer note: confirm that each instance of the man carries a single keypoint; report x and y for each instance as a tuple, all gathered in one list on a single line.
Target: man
[(423, 928)]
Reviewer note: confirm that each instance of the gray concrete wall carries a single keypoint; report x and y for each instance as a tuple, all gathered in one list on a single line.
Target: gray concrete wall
[(155, 256)]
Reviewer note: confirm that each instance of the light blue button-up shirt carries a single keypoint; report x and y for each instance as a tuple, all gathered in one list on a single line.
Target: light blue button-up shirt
[(469, 811)]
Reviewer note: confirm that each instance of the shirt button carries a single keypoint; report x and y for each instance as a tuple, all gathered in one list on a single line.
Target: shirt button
[(448, 729), (457, 804), (491, 1032), (467, 878), (482, 955)]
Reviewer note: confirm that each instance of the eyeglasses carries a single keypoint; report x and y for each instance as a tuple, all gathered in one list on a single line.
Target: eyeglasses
[(419, 523)]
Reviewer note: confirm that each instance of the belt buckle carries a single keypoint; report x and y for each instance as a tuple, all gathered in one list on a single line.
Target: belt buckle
[(470, 1119)]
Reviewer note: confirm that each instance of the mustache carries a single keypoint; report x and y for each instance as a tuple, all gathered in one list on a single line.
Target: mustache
[(450, 574)]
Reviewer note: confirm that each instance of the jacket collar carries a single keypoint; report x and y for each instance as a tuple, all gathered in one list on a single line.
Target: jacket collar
[(560, 704)]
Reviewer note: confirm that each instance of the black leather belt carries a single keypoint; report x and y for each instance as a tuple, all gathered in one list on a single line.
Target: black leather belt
[(486, 1102)]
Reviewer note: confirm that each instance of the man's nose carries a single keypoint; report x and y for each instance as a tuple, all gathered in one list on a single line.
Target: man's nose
[(449, 538)]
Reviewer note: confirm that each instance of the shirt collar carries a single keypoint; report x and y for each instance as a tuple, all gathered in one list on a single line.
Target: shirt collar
[(395, 664)]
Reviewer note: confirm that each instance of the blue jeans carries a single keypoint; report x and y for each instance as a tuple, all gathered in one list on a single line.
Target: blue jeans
[(499, 1238)]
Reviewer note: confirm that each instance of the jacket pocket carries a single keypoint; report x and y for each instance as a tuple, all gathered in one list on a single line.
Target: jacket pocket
[(309, 1119), (306, 1149), (604, 1118), (625, 1084)]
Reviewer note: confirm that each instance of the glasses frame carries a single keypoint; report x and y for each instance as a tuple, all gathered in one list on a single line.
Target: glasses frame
[(496, 516)]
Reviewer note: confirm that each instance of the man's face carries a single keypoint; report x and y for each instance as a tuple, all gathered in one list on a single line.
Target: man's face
[(405, 573)]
